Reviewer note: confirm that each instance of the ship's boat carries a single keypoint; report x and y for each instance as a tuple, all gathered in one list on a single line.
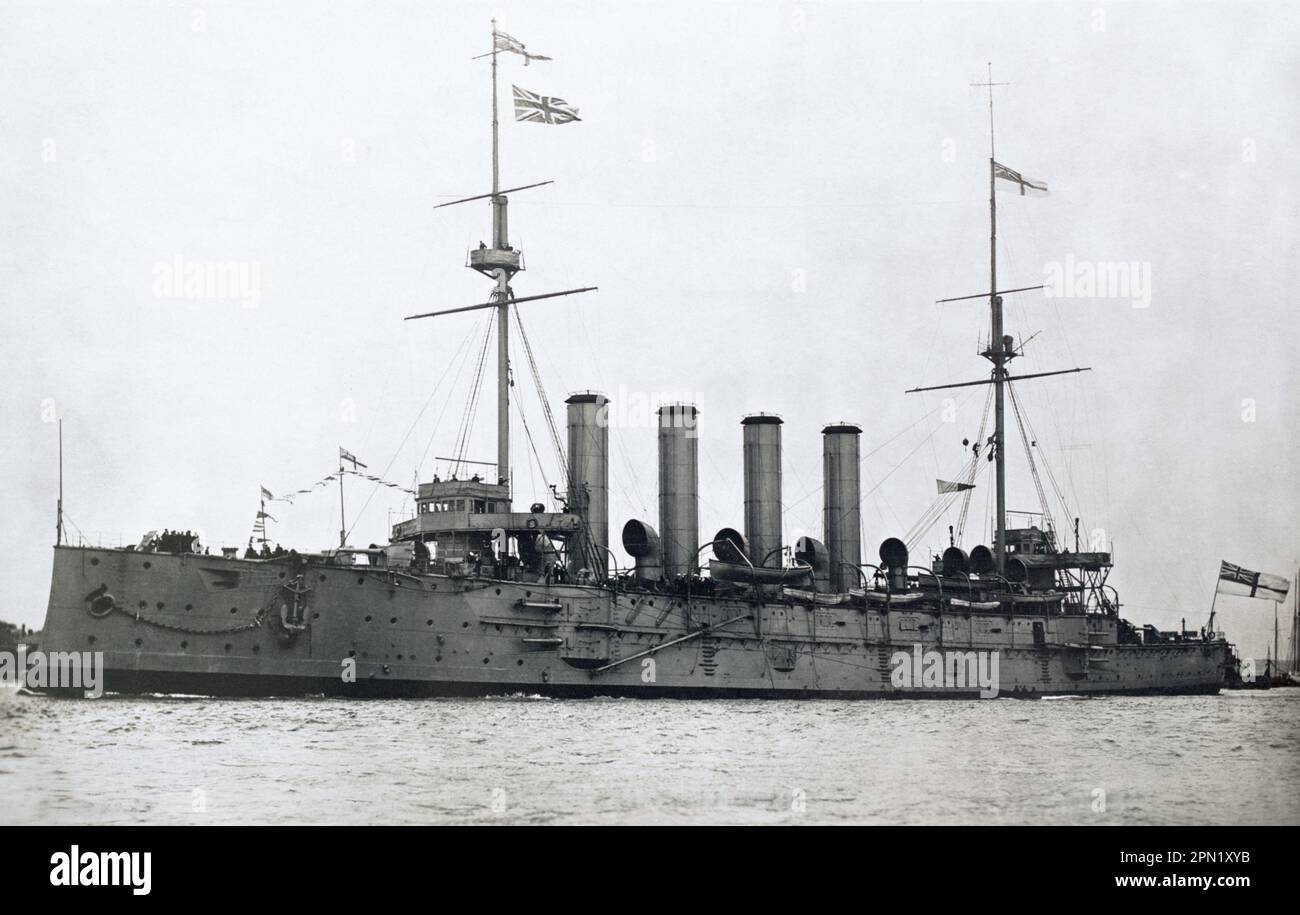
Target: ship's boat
[(478, 593)]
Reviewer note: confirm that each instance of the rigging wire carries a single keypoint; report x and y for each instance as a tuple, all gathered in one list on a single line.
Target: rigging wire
[(887, 442), (472, 402), (620, 445), (942, 504), (979, 443), (463, 347), (1051, 476), (1029, 456), (532, 445), (551, 426), (463, 353)]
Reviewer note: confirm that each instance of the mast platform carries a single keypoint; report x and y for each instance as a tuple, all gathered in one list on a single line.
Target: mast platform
[(489, 261)]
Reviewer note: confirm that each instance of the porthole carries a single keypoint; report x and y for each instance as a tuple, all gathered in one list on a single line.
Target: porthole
[(94, 562)]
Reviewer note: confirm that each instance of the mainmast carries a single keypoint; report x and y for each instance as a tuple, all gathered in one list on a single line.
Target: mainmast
[(1295, 626), (998, 352), (1001, 348), (58, 527)]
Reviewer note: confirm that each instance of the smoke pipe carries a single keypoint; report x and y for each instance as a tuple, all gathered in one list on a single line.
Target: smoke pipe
[(762, 457), (679, 492), (588, 421), (841, 504)]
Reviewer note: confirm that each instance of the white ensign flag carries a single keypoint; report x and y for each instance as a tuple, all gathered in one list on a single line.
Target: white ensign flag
[(1234, 579)]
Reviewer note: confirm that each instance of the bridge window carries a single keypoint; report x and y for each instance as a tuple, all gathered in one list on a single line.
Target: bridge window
[(479, 506)]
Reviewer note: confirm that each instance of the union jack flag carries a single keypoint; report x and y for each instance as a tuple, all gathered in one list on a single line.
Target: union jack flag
[(542, 109)]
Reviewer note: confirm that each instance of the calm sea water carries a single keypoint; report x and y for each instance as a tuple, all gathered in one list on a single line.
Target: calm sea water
[(1233, 758)]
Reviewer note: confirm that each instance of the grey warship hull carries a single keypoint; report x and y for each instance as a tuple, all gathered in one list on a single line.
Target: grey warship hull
[(482, 593), (184, 623)]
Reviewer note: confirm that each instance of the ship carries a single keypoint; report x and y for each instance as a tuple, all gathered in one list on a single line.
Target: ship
[(482, 593)]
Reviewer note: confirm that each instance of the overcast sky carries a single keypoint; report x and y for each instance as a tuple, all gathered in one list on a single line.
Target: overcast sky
[(770, 196)]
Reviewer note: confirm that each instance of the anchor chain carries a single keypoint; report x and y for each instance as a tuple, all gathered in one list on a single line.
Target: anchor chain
[(256, 623), (96, 597)]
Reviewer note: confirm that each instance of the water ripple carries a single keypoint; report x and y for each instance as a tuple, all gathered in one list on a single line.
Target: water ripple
[(530, 760)]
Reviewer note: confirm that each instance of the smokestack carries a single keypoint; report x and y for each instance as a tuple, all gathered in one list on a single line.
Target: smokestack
[(762, 437), (588, 418), (841, 509), (679, 487)]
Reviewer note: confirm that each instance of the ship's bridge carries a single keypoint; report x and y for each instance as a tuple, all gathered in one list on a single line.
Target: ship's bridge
[(1032, 539), (1034, 558), (474, 496), (1037, 549), (457, 517)]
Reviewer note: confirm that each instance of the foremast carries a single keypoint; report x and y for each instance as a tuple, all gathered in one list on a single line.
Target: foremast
[(502, 294), (500, 263), (465, 517)]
